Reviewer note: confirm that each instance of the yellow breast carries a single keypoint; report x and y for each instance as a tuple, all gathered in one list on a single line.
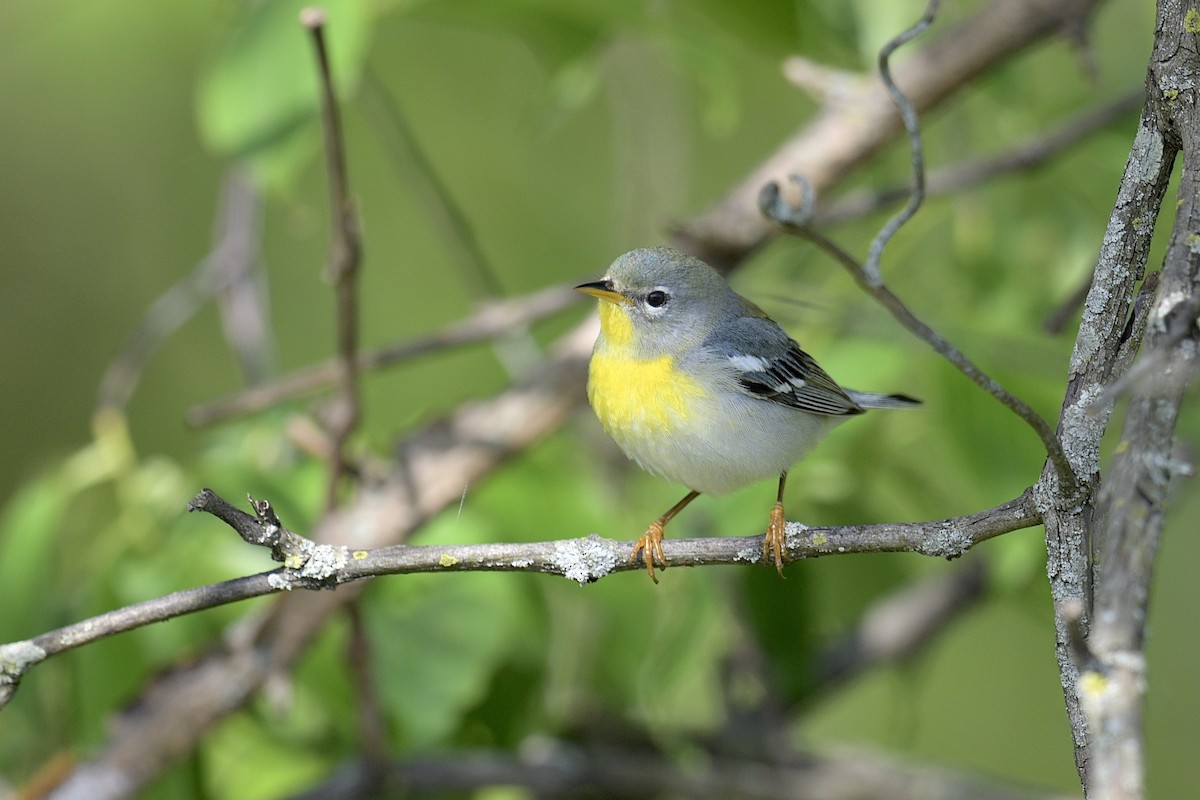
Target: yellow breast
[(641, 398)]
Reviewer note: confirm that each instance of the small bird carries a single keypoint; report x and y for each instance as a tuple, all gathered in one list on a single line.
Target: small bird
[(699, 386)]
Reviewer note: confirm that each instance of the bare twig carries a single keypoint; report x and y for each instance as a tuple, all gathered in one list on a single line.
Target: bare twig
[(495, 318), (912, 125), (345, 255), (772, 204), (775, 208), (17, 658)]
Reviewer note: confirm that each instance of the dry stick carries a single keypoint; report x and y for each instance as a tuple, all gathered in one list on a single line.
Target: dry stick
[(345, 255), (493, 319), (869, 276), (311, 565)]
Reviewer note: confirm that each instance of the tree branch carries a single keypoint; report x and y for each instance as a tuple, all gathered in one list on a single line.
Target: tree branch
[(309, 565), (1129, 512), (912, 126), (1107, 334)]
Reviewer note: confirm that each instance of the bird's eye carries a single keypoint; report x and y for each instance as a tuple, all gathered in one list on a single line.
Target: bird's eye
[(656, 299)]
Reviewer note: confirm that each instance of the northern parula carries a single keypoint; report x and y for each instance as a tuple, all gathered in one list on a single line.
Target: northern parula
[(698, 385)]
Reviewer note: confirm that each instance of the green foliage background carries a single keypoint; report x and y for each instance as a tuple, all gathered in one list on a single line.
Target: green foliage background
[(569, 132)]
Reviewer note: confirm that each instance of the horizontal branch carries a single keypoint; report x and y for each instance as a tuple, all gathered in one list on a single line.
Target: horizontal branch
[(584, 560), (591, 558)]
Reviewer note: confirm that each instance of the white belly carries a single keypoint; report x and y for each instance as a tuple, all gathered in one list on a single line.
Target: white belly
[(717, 451)]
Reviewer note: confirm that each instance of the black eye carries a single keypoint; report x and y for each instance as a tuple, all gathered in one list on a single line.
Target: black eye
[(656, 299)]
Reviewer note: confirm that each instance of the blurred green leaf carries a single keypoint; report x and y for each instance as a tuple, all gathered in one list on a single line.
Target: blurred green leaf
[(436, 642), (278, 767), (29, 530)]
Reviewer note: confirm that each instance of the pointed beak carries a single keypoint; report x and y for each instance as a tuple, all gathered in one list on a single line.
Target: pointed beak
[(604, 290)]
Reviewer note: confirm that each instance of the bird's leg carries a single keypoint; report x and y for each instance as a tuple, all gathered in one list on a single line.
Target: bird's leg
[(775, 542), (649, 544)]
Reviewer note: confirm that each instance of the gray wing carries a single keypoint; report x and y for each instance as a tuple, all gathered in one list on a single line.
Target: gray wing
[(771, 366)]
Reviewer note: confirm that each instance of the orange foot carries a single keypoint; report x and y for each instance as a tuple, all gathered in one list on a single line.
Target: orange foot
[(649, 545), (775, 542)]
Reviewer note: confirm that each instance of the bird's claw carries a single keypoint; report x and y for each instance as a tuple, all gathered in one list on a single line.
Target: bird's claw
[(775, 542), (649, 546)]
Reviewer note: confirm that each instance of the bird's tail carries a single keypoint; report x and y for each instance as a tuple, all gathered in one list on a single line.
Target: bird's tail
[(872, 400)]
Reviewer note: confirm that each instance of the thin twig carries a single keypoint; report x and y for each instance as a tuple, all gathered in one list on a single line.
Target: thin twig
[(775, 208), (912, 125), (345, 254), (493, 319)]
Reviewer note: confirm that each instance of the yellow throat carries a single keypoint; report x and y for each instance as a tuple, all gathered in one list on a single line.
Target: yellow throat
[(633, 395)]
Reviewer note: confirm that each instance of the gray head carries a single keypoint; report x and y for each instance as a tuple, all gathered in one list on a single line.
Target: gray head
[(672, 299)]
